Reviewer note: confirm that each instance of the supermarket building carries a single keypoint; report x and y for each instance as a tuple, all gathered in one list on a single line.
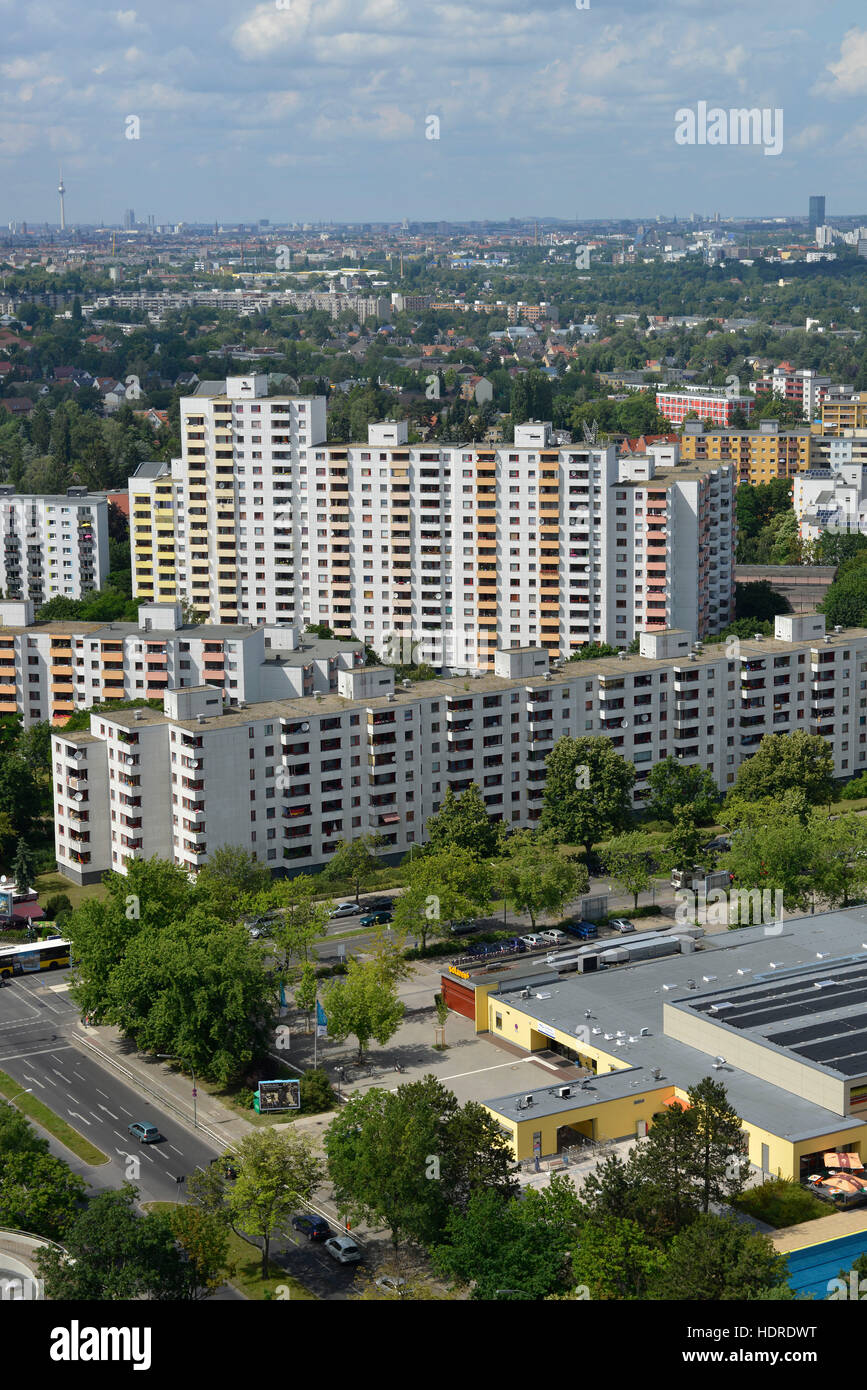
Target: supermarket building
[(776, 1013)]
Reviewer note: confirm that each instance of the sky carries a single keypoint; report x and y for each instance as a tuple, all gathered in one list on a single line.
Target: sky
[(310, 110)]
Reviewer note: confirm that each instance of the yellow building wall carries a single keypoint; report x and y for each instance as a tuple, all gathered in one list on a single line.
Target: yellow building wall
[(612, 1119)]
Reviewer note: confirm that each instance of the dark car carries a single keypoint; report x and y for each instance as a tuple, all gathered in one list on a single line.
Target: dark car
[(378, 905), (465, 927), (373, 919), (313, 1227), (585, 931)]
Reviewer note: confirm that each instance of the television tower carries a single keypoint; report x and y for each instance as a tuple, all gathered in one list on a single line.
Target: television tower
[(61, 190)]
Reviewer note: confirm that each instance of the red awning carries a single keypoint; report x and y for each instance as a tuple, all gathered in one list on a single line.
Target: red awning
[(676, 1100), (843, 1160), (24, 910)]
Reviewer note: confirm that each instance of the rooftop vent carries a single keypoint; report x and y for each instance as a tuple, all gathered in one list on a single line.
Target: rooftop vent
[(548, 676), (317, 695), (838, 628), (656, 1073), (564, 1091), (528, 1100), (200, 718), (138, 714), (406, 684), (827, 637), (391, 697), (758, 637), (621, 656)]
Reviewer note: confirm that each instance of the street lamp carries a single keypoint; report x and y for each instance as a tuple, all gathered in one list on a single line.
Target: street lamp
[(168, 1058), (24, 1091)]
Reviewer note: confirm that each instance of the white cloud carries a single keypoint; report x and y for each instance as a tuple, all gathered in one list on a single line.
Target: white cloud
[(126, 19), (849, 73)]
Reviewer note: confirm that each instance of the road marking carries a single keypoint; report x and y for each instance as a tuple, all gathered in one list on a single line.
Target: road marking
[(162, 1155), (13, 1056), (75, 1115), (34, 1079), (98, 1118), (106, 1109), (101, 1093), (457, 1076), (125, 1111), (177, 1151)]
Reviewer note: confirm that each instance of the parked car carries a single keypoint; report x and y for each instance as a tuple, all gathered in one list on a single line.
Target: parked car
[(465, 927), (344, 1250), (313, 1227), (532, 941), (345, 910), (145, 1134), (373, 919), (584, 930), (379, 905), (554, 936), (391, 1283), (620, 924), (721, 844)]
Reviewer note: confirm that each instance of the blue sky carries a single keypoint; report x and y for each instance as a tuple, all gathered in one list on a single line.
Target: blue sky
[(316, 109)]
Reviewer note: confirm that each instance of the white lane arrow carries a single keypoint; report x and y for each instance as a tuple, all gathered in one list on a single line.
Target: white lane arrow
[(75, 1115)]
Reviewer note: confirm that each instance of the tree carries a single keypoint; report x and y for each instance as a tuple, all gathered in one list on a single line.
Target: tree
[(443, 885), (721, 1167), (302, 923), (231, 875), (111, 1253), (626, 860), (684, 841), (779, 855), (355, 860), (34, 747), (39, 1193), (19, 794), (406, 1159), (587, 791), (758, 599), (841, 856), (717, 1259), (204, 1246), (23, 870), (363, 1006), (537, 879), (277, 1171), (305, 992), (503, 1249), (462, 822), (676, 783), (614, 1259), (788, 761)]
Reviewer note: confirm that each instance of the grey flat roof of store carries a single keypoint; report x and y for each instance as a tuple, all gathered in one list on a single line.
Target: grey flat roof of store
[(630, 997)]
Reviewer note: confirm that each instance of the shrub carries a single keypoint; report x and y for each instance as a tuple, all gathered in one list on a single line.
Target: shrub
[(781, 1202), (316, 1093), (854, 789)]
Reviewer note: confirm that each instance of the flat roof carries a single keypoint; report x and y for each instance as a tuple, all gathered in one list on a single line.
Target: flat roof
[(778, 970)]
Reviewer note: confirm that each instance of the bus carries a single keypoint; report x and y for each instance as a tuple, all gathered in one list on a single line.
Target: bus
[(35, 956)]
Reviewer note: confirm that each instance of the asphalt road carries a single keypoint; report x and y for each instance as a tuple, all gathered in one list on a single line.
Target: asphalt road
[(37, 1020)]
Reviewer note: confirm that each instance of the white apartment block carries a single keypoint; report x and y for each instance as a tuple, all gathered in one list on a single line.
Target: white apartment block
[(445, 553), (288, 779), (833, 498), (49, 670), (52, 546)]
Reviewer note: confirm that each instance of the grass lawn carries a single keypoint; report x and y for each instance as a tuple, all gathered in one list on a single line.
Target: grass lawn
[(245, 1262), (51, 884), (34, 1109)]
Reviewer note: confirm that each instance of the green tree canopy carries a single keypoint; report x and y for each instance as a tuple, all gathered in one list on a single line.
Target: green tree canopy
[(673, 782), (362, 1005), (462, 822), (587, 791), (785, 762)]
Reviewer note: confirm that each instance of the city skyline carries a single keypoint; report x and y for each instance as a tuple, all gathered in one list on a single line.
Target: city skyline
[(298, 112)]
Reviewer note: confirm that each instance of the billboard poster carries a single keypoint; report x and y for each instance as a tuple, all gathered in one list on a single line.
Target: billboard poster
[(278, 1095)]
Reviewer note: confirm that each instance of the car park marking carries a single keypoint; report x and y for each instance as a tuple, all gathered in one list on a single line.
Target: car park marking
[(177, 1151)]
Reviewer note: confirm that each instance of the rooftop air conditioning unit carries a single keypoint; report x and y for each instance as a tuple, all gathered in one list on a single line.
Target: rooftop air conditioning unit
[(827, 637), (621, 656), (406, 684), (200, 718), (757, 636), (391, 697), (525, 994), (838, 628), (564, 1091), (317, 695), (528, 1100), (656, 1073)]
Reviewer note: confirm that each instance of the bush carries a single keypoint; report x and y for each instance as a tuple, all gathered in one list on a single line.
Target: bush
[(316, 1093), (856, 788), (781, 1202), (57, 907)]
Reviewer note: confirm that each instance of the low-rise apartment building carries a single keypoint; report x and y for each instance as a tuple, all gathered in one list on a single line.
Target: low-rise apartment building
[(287, 779), (48, 670), (757, 456), (52, 546), (706, 403)]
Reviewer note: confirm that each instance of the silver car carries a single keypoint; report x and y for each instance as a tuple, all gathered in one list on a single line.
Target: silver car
[(343, 1249)]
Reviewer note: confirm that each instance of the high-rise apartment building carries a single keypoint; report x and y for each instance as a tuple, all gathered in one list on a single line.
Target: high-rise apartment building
[(52, 546), (439, 552), (817, 212), (757, 456)]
